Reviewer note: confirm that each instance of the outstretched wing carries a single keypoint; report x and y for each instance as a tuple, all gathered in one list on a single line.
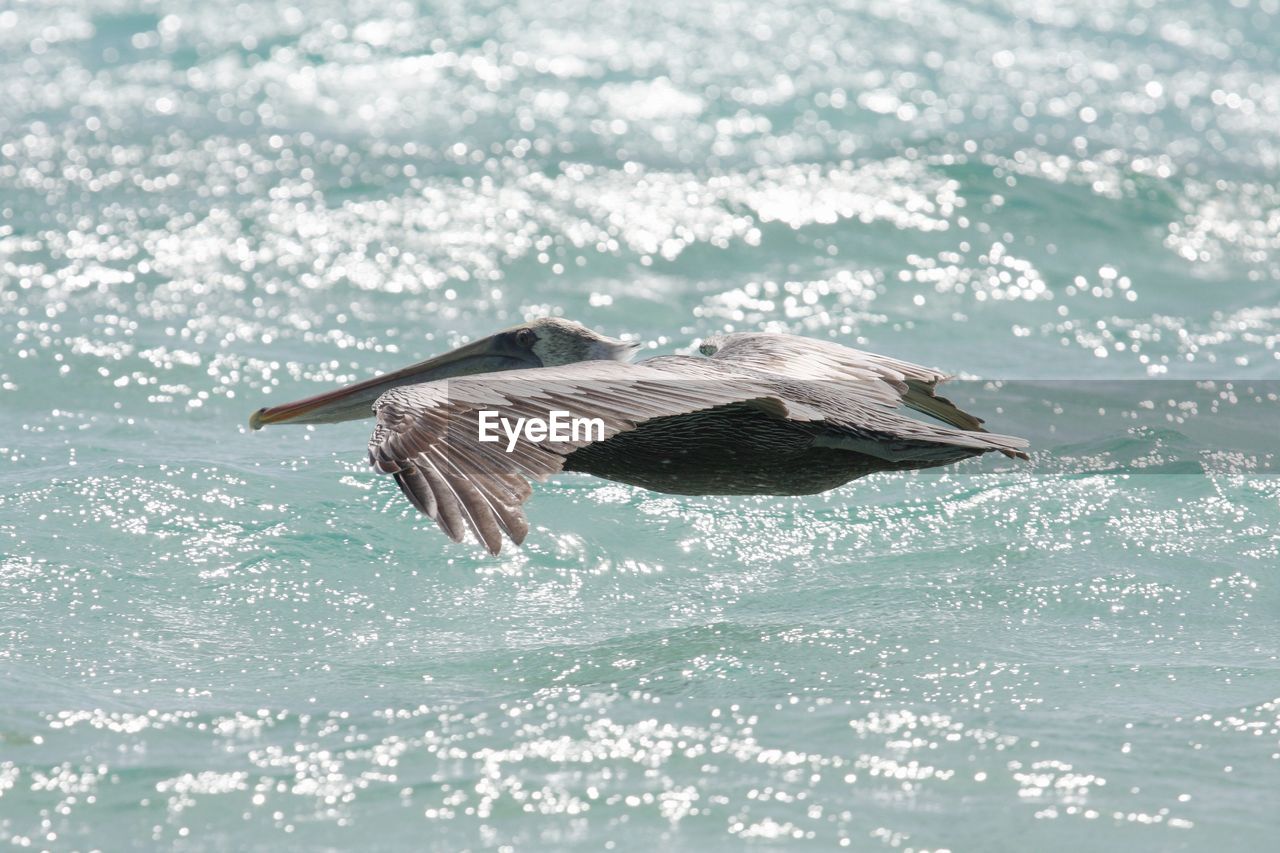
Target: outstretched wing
[(428, 436), (887, 379), (875, 384)]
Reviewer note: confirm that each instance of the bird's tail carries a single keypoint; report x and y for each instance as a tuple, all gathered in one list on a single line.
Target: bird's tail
[(922, 397)]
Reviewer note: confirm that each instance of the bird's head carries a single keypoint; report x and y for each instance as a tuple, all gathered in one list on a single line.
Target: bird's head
[(554, 341), (544, 342)]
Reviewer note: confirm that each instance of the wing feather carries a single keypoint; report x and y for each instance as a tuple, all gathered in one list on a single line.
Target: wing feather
[(427, 436), (871, 387)]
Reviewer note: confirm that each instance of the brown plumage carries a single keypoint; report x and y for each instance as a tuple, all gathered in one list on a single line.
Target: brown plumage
[(764, 414)]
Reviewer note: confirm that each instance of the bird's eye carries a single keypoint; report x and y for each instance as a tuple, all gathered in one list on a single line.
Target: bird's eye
[(707, 349), (526, 338)]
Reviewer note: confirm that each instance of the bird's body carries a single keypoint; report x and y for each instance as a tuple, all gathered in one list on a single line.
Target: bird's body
[(742, 449), (763, 414), (731, 450)]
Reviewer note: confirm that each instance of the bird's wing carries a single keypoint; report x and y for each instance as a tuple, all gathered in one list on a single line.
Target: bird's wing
[(428, 436), (814, 360), (875, 385)]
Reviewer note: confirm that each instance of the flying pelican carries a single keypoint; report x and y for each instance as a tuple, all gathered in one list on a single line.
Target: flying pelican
[(759, 414)]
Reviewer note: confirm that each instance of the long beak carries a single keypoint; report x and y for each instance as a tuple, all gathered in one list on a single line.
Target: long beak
[(354, 402)]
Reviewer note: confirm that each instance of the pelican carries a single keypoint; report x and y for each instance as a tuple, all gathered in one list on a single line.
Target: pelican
[(753, 414)]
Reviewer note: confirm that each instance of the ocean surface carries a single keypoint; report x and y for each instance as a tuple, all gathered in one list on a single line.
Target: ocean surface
[(213, 639)]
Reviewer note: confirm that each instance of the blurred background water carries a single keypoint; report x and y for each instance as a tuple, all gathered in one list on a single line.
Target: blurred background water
[(211, 639)]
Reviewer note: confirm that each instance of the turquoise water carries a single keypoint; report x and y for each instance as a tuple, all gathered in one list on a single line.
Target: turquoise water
[(216, 639)]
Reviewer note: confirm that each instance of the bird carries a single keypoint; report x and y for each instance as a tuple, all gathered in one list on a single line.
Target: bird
[(753, 413)]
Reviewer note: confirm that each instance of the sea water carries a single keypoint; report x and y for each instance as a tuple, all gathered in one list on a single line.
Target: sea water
[(218, 639)]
